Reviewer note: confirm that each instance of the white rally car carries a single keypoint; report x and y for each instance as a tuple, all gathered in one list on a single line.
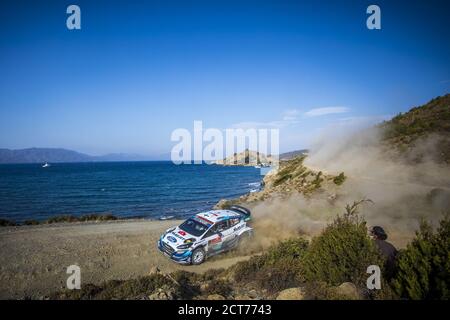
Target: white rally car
[(206, 234)]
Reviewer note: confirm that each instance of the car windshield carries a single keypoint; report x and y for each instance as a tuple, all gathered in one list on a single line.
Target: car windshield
[(193, 227)]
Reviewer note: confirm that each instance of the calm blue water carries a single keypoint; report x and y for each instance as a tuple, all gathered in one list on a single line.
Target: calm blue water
[(125, 189)]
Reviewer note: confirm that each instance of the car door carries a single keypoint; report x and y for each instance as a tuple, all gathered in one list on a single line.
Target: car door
[(214, 238)]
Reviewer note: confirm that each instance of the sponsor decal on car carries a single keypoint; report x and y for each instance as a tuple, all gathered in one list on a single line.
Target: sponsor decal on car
[(215, 240), (182, 232), (178, 236), (171, 239), (205, 220)]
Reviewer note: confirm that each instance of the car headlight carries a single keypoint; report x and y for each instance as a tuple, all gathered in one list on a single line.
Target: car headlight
[(185, 246)]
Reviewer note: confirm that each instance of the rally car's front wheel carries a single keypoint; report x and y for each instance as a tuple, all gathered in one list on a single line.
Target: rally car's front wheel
[(198, 256)]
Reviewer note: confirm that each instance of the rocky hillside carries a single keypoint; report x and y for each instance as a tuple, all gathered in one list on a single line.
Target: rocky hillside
[(421, 133), (427, 124), (247, 158), (292, 176)]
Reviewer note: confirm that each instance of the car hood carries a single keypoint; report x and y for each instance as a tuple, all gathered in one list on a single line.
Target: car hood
[(178, 237)]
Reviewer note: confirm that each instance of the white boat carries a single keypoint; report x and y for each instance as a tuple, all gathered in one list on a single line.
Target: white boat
[(166, 217), (45, 165)]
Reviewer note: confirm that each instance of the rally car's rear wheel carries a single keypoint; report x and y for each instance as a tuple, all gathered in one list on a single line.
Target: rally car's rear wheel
[(198, 256), (245, 238)]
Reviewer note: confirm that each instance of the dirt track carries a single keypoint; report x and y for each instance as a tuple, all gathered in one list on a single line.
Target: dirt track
[(34, 259)]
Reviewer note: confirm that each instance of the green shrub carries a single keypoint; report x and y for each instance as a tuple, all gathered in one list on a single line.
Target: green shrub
[(338, 180), (281, 178), (218, 286), (423, 268), (7, 223), (31, 222), (342, 252), (97, 217), (317, 180), (61, 218), (188, 282), (277, 269), (118, 289), (83, 218)]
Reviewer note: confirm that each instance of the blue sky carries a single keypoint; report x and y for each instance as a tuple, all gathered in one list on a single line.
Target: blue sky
[(138, 70)]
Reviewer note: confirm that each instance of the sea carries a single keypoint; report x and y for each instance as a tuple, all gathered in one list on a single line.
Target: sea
[(144, 189)]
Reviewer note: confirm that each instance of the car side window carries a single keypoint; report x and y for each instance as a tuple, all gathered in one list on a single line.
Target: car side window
[(221, 226), (234, 221), (218, 227), (210, 232)]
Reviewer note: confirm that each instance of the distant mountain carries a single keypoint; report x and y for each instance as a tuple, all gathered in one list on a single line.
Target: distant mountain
[(54, 155), (39, 155)]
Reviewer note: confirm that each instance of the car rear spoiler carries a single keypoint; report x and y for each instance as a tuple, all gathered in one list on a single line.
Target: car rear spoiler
[(242, 211)]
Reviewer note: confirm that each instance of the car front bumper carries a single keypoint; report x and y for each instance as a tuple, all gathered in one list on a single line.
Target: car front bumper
[(183, 257)]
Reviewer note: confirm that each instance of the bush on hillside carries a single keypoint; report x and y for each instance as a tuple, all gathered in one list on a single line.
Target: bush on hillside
[(277, 269), (97, 217), (31, 222), (119, 289), (7, 223), (423, 268), (290, 169), (83, 218), (61, 218), (342, 252), (339, 179)]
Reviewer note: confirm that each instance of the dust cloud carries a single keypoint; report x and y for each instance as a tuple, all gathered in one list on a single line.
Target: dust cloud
[(403, 192)]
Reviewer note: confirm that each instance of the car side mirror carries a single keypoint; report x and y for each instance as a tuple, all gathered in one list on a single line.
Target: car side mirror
[(219, 234)]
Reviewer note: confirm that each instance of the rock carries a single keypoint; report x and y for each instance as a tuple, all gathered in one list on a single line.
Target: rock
[(204, 287), (222, 204), (253, 294), (215, 296), (291, 294), (332, 197), (163, 293), (154, 270), (348, 290), (242, 297)]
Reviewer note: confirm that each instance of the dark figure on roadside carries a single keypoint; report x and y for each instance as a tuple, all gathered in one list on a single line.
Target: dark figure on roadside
[(379, 236)]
